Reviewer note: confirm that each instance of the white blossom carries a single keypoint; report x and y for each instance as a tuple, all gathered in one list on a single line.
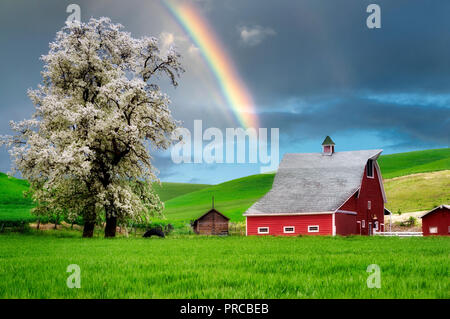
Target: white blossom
[(84, 149)]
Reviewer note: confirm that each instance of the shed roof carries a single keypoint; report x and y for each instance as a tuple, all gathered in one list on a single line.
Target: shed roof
[(212, 210), (313, 182), (436, 208)]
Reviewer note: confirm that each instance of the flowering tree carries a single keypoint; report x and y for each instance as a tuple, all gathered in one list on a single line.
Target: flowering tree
[(86, 149)]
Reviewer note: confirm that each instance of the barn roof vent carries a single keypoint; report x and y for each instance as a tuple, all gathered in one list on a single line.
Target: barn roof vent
[(327, 146)]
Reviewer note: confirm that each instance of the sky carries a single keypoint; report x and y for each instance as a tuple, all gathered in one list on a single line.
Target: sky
[(311, 67)]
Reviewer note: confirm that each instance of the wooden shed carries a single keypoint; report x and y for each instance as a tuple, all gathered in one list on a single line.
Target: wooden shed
[(211, 223), (437, 221)]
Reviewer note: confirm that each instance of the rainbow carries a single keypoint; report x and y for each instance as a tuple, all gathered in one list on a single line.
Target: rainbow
[(233, 88)]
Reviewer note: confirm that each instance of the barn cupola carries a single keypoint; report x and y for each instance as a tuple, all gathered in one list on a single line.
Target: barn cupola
[(328, 146)]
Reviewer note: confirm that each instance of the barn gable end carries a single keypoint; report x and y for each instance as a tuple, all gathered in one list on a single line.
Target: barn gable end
[(437, 221), (211, 223)]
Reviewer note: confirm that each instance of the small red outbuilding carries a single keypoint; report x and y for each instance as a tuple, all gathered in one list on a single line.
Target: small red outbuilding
[(437, 221)]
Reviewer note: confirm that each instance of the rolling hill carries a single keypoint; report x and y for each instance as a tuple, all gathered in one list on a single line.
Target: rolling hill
[(167, 191), (14, 206), (233, 197), (401, 164), (409, 182), (417, 192)]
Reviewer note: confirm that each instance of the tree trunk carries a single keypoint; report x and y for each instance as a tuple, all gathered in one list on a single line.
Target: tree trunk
[(88, 229), (111, 224)]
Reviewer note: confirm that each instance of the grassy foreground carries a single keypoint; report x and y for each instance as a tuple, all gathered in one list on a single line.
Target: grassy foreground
[(34, 266)]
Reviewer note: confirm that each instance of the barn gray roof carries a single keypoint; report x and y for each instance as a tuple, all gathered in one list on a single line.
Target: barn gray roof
[(314, 182)]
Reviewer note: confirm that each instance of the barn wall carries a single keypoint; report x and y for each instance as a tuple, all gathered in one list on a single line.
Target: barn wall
[(351, 204), (345, 224), (300, 222), (212, 224), (440, 219), (370, 191)]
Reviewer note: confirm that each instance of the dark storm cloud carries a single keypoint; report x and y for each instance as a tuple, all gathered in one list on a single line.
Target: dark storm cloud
[(325, 46), (410, 124), (318, 71)]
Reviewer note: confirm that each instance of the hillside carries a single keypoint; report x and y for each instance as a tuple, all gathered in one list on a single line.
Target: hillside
[(232, 198), (14, 206), (412, 193), (168, 190), (417, 192), (401, 164), (185, 201)]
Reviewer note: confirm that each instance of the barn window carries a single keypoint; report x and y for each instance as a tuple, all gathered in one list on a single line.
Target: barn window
[(449, 229), (313, 229), (363, 223), (433, 230), (263, 230), (375, 225), (370, 168), (369, 204), (289, 229)]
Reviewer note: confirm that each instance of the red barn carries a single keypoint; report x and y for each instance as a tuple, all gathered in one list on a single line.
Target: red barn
[(437, 221), (328, 193)]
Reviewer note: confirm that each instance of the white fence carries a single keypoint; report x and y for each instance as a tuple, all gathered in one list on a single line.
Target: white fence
[(400, 234)]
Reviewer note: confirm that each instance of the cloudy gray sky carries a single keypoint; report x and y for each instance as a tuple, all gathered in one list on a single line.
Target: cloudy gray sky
[(312, 67)]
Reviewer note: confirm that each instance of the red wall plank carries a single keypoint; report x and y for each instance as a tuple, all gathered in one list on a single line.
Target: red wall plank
[(370, 191), (300, 222), (345, 224), (440, 219)]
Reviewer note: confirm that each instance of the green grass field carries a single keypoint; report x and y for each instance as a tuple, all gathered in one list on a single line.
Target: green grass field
[(167, 191), (13, 205), (34, 266)]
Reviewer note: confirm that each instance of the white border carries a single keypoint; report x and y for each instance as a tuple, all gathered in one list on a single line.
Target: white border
[(380, 180), (268, 230), (313, 231), (333, 225), (246, 224), (288, 232), (349, 212), (373, 168)]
